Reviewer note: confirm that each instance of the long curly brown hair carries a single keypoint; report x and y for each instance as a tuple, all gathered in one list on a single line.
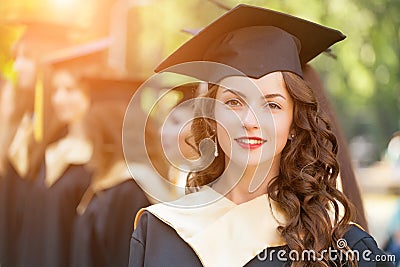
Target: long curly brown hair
[(305, 188)]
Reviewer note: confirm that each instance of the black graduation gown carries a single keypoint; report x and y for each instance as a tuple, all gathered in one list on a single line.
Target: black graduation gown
[(102, 233), (48, 218), (155, 243), (12, 195)]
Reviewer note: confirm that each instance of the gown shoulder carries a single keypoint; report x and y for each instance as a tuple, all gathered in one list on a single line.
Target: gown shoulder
[(155, 243), (366, 249)]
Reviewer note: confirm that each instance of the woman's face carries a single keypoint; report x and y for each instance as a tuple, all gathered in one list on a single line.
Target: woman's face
[(174, 133), (254, 118), (69, 100)]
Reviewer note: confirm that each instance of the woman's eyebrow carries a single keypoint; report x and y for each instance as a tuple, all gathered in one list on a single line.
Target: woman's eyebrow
[(273, 96), (227, 90)]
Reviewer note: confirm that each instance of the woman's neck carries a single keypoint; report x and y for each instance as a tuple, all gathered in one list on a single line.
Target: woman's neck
[(252, 183), (76, 130)]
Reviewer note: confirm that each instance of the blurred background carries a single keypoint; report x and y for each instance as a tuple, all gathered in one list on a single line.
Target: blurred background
[(361, 74)]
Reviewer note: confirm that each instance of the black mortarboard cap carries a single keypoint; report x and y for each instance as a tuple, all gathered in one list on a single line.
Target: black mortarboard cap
[(115, 88), (80, 60), (84, 59), (41, 38), (256, 41)]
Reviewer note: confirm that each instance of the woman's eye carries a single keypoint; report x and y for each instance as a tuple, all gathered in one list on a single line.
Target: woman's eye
[(233, 103), (272, 105)]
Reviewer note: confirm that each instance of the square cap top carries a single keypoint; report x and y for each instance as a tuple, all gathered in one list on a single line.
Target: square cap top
[(256, 41), (39, 38), (83, 59)]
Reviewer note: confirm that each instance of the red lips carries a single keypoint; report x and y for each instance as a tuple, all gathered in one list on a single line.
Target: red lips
[(250, 142)]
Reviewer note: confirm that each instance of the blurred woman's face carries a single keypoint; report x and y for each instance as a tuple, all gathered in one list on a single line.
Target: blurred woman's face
[(254, 118), (174, 133), (70, 103)]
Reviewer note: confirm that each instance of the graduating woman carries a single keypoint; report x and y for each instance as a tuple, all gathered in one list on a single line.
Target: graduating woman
[(57, 185), (19, 139), (270, 194), (107, 210)]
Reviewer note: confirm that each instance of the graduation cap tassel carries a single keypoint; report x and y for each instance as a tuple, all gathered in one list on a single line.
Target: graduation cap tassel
[(329, 53), (38, 109)]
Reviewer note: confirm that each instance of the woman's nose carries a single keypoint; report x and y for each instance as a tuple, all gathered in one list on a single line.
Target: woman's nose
[(58, 96), (249, 120)]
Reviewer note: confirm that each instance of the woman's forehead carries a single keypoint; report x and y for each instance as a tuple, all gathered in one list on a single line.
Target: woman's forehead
[(62, 77), (268, 84)]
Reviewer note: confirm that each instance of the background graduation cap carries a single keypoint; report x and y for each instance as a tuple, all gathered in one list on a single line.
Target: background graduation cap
[(272, 41), (112, 88), (35, 40), (44, 37), (83, 59), (80, 60), (89, 64)]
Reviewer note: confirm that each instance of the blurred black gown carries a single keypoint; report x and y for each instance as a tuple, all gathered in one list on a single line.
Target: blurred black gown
[(12, 195), (102, 233), (49, 214), (13, 186)]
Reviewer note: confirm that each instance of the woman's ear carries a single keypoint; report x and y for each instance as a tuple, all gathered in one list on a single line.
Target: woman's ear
[(291, 135)]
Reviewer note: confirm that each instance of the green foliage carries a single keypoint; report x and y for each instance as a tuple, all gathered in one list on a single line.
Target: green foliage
[(376, 69)]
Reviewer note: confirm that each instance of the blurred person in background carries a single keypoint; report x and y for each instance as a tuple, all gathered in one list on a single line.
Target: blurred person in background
[(168, 144), (107, 210), (59, 175), (17, 139), (156, 177), (177, 146)]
